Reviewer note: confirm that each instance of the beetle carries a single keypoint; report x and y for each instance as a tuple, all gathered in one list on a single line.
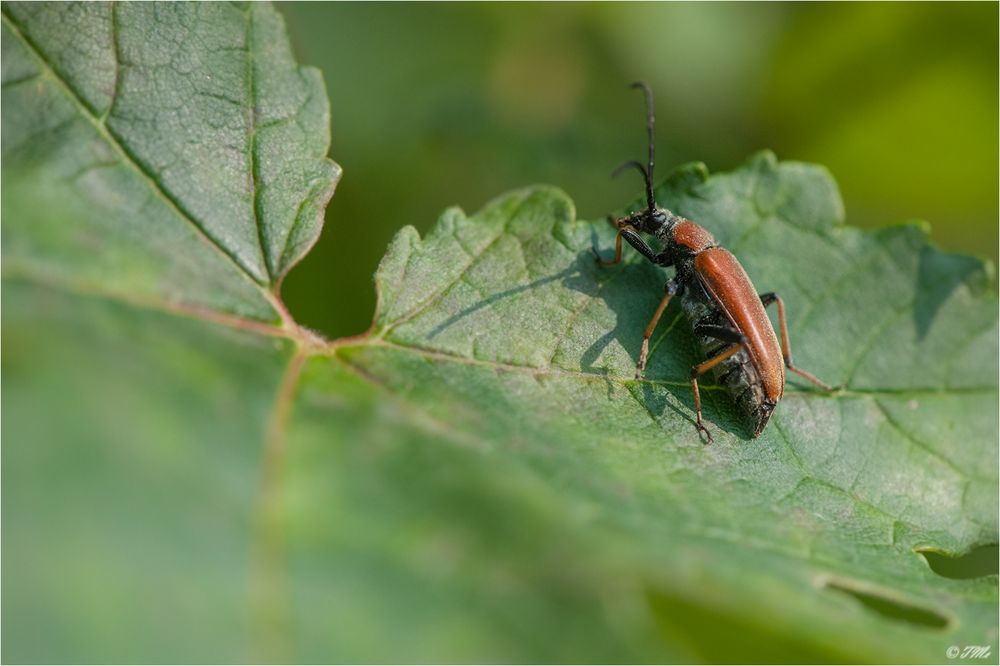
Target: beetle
[(718, 299)]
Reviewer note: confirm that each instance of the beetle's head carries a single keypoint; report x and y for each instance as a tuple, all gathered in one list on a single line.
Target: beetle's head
[(652, 219)]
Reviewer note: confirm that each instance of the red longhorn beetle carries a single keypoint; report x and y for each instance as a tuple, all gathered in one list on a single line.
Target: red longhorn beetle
[(718, 299)]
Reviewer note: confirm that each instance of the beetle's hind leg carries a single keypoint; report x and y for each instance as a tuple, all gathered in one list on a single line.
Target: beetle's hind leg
[(786, 351), (702, 368)]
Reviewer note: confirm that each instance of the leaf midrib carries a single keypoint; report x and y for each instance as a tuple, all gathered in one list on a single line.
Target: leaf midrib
[(314, 345), (309, 345)]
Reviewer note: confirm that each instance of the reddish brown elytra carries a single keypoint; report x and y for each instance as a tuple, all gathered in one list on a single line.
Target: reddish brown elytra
[(718, 299)]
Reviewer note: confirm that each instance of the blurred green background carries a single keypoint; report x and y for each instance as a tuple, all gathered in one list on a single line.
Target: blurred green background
[(436, 105)]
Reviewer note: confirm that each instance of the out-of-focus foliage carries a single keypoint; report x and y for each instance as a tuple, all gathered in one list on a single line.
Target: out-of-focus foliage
[(436, 105)]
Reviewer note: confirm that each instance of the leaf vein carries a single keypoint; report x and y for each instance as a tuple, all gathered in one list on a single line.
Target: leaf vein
[(254, 175), (914, 441), (148, 176), (434, 298), (574, 315)]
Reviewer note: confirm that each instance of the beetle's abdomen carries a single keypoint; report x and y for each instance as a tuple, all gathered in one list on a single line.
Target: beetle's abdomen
[(737, 374), (727, 283)]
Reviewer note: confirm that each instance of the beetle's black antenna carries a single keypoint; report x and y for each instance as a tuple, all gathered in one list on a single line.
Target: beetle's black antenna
[(631, 163), (650, 120)]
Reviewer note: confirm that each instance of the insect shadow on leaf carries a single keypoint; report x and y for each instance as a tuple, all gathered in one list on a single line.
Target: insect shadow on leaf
[(493, 299)]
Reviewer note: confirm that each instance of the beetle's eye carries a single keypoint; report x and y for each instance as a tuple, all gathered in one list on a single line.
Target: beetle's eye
[(655, 220)]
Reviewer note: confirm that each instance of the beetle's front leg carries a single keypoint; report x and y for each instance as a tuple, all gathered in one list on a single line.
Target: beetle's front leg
[(786, 351), (627, 231)]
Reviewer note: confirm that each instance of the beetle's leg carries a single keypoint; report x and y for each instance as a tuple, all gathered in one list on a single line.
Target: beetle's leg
[(670, 289), (786, 351), (631, 234), (723, 333), (617, 224), (701, 369), (604, 263)]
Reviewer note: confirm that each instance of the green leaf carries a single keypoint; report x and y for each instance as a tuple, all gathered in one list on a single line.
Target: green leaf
[(477, 478), (165, 152)]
